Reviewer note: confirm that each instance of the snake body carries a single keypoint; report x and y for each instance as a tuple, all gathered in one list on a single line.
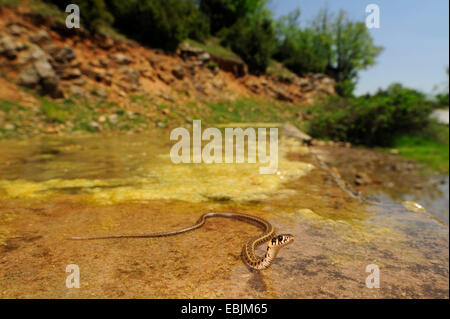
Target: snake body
[(275, 242)]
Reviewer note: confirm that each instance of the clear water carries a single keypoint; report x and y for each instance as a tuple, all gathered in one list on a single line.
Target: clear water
[(56, 187)]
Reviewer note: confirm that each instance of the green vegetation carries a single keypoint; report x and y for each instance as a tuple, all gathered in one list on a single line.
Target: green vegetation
[(213, 46), (371, 120), (394, 118), (429, 146), (159, 23), (253, 40), (250, 110), (67, 116), (331, 44)]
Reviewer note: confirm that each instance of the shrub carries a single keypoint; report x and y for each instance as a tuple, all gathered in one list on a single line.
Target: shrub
[(159, 23), (370, 120), (345, 88), (253, 41)]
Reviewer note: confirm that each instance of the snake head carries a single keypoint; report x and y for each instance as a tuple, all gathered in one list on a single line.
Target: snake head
[(281, 240)]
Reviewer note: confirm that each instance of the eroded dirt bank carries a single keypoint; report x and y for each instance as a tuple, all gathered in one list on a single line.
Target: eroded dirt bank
[(54, 188)]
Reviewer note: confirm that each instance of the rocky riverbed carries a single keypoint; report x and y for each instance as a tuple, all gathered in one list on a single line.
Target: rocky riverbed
[(52, 188)]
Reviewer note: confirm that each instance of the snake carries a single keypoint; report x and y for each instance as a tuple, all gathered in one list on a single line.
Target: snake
[(274, 242)]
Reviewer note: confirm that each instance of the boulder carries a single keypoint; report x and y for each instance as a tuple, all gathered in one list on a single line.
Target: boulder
[(64, 54), (28, 77), (15, 30), (8, 47), (291, 131), (39, 37), (71, 74), (130, 75), (178, 72), (121, 58), (38, 71), (78, 91)]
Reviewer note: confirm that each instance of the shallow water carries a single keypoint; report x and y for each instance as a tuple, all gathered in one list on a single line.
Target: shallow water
[(56, 187)]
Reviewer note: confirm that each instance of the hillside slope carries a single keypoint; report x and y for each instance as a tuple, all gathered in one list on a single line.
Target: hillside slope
[(73, 67)]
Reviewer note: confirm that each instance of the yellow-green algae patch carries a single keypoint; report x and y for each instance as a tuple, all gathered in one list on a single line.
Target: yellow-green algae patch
[(164, 180)]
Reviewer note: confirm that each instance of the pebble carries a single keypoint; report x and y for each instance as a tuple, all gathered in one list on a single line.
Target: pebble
[(9, 127)]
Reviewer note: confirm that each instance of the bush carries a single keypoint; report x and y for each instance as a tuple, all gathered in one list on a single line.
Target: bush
[(371, 120), (225, 13), (253, 41), (345, 88), (159, 23)]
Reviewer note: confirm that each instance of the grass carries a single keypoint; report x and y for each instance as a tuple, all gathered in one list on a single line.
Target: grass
[(429, 147), (38, 7), (213, 47), (54, 111), (277, 69)]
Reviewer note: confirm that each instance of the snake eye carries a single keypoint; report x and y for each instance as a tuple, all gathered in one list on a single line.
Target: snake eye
[(280, 238)]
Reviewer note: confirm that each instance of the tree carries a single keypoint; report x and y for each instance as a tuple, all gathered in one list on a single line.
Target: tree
[(225, 13), (302, 50), (159, 23), (253, 39), (332, 45), (354, 50)]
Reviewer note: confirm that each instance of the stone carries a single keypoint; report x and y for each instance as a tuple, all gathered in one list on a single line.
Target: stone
[(95, 125), (204, 57), (71, 74), (39, 37), (291, 131), (97, 75), (113, 118), (44, 69), (48, 79), (121, 58), (8, 47), (77, 91), (15, 30), (100, 93), (9, 127), (28, 77), (130, 74), (106, 43), (161, 124), (79, 82), (103, 61), (362, 179), (65, 54), (178, 72), (34, 53)]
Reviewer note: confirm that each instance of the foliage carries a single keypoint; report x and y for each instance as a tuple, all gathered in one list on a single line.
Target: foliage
[(159, 23), (371, 120), (332, 45), (225, 13), (429, 146), (253, 40)]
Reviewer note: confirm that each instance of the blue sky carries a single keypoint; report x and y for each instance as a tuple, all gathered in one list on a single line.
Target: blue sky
[(414, 34)]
